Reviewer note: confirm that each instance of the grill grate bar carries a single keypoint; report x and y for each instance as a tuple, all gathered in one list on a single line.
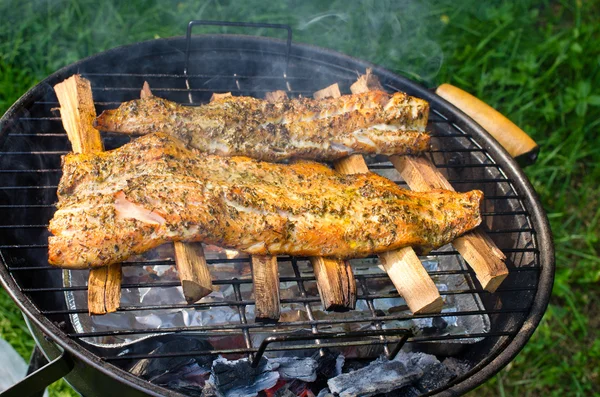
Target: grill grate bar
[(299, 280), (367, 342), (38, 134), (306, 323), (23, 226), (27, 205), (309, 312), (306, 300), (241, 308), (210, 90), (377, 167), (282, 279), (306, 346), (432, 253), (378, 325), (35, 153), (206, 76)]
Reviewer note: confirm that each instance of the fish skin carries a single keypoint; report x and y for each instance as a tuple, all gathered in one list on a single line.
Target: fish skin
[(374, 122), (260, 208)]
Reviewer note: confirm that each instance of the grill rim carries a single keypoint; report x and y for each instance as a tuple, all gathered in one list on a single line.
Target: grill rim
[(484, 370)]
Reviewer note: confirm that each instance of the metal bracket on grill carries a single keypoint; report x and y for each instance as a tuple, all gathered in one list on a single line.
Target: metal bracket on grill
[(188, 36), (36, 382), (404, 333)]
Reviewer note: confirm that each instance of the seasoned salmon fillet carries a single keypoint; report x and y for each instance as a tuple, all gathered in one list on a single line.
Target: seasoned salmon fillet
[(323, 130), (154, 190)]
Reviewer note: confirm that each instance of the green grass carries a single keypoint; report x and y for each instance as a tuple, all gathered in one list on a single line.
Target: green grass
[(536, 62)]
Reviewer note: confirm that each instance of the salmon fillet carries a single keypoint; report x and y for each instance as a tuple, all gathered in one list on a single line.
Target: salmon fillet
[(154, 190), (323, 130)]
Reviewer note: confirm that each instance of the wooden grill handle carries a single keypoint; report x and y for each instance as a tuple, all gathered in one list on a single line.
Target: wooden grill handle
[(518, 144)]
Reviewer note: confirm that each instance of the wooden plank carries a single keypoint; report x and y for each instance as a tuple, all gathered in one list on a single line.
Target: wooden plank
[(333, 91), (215, 96), (366, 82), (104, 289), (480, 252), (77, 112), (276, 96), (265, 276), (336, 283), (192, 268)]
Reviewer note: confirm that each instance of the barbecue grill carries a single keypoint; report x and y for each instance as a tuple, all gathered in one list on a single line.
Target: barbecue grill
[(97, 361)]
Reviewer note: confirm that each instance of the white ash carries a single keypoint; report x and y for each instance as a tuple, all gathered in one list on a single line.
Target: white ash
[(304, 369), (210, 390), (325, 393), (238, 378), (458, 367), (381, 376), (413, 373), (435, 374)]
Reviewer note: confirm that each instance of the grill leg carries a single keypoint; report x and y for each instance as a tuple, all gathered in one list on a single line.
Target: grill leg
[(36, 361), (40, 374)]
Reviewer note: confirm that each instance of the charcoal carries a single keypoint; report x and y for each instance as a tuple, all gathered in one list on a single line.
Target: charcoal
[(185, 388), (210, 390), (284, 392), (435, 374), (238, 378), (381, 376), (406, 391), (329, 364), (157, 370), (304, 369), (300, 388), (458, 367), (325, 393)]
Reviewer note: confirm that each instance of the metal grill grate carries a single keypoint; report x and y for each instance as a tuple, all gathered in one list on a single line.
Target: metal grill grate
[(30, 171)]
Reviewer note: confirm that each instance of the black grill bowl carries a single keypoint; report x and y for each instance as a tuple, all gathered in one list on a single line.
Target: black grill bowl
[(32, 140)]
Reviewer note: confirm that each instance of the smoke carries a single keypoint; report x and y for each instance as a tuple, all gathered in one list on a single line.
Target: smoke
[(41, 36), (399, 35)]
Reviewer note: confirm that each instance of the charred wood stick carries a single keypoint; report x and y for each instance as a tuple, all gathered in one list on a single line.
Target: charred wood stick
[(77, 112), (402, 266), (265, 277), (335, 282), (192, 268)]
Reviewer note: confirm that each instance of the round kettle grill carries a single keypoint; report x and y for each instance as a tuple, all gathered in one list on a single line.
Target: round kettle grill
[(188, 70)]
